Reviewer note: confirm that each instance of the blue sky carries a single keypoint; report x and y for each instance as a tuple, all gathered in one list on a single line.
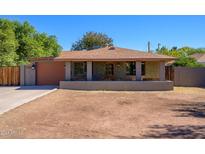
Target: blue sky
[(127, 31)]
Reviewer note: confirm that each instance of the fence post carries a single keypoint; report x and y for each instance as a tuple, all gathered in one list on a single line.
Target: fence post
[(22, 75)]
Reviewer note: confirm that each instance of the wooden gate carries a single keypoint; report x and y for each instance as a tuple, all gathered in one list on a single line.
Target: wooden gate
[(169, 73), (9, 76)]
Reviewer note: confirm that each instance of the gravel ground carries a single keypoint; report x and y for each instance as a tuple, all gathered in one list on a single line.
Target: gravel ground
[(102, 114)]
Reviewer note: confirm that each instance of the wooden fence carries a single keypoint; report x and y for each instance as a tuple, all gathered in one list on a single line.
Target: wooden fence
[(169, 73), (183, 76), (9, 76), (191, 77)]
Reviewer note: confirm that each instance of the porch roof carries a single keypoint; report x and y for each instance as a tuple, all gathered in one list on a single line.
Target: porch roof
[(109, 54)]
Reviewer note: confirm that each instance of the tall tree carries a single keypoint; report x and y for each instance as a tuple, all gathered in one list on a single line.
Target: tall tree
[(34, 44), (49, 44), (25, 36), (8, 44), (92, 40), (20, 41)]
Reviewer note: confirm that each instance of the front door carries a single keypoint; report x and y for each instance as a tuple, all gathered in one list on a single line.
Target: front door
[(109, 67)]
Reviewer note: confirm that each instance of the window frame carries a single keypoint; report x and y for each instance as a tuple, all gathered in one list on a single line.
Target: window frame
[(130, 68), (83, 68)]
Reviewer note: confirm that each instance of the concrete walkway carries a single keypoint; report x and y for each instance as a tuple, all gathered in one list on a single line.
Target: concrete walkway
[(12, 97)]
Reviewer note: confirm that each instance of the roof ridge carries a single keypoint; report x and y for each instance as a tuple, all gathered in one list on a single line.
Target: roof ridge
[(116, 47)]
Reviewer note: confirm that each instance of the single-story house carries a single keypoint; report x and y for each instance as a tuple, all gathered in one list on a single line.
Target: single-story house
[(200, 57), (108, 68)]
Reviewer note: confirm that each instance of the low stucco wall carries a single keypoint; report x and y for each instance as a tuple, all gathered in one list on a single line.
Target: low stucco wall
[(117, 85), (27, 75)]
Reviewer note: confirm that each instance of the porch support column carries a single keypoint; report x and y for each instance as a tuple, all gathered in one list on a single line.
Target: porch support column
[(89, 70), (138, 71), (162, 71), (68, 71)]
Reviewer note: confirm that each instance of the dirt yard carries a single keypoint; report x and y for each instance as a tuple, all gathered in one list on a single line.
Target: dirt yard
[(103, 114)]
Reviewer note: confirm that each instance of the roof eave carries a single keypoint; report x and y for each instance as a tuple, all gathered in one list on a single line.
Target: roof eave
[(111, 59)]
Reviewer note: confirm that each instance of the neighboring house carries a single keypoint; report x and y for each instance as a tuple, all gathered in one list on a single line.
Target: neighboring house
[(200, 57), (104, 68)]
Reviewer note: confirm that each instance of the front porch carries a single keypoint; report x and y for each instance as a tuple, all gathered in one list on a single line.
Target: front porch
[(131, 76), (115, 71)]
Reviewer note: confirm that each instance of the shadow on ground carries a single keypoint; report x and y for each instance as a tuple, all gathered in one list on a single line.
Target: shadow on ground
[(196, 110), (192, 110), (36, 87), (177, 132)]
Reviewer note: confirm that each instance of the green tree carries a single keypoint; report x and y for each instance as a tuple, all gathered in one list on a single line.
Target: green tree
[(163, 50), (33, 44), (8, 44), (20, 42), (187, 62), (173, 52), (48, 44), (190, 51), (92, 40), (183, 55)]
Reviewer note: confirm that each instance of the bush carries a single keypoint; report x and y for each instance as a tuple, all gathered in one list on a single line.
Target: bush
[(183, 55), (187, 62)]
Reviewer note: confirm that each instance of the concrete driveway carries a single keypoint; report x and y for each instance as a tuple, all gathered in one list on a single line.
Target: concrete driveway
[(12, 97)]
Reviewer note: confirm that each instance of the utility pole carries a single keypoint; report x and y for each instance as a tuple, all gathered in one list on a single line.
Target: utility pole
[(148, 46), (158, 46)]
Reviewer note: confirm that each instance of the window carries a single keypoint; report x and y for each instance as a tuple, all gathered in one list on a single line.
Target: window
[(79, 68), (109, 69), (143, 68), (130, 68)]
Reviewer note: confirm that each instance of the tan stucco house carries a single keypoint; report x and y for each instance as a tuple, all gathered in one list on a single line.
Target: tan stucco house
[(109, 68)]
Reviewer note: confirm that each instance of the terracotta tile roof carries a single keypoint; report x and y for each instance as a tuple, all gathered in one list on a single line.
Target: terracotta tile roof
[(200, 57), (110, 53)]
